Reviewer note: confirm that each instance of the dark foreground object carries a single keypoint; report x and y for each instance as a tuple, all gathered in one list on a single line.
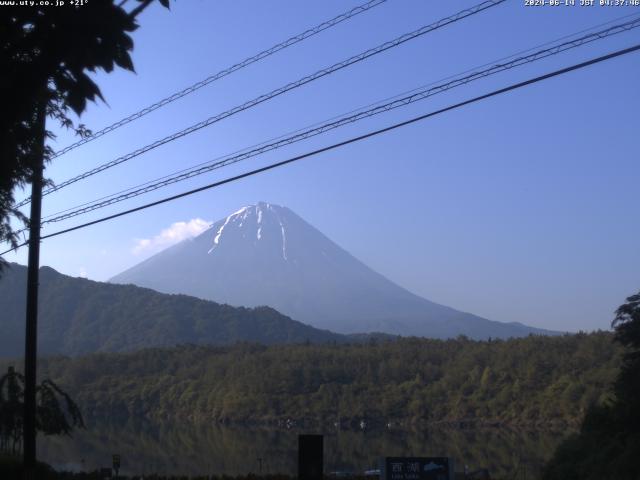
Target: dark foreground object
[(310, 457), (608, 444)]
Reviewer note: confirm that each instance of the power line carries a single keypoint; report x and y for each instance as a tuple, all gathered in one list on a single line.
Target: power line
[(513, 55), (502, 59), (346, 119), (227, 71), (279, 91), (265, 146), (379, 102), (494, 93)]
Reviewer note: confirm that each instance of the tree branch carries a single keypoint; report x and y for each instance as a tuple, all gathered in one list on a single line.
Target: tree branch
[(139, 9)]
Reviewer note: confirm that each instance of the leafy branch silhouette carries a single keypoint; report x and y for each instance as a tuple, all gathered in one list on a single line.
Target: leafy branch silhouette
[(56, 412)]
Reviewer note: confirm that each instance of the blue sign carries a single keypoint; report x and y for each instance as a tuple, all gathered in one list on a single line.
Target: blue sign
[(417, 468)]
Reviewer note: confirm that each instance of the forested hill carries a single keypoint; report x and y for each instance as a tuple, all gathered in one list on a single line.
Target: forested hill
[(533, 381), (81, 316)]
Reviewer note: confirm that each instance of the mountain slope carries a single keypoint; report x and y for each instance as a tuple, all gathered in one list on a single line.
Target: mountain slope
[(265, 254), (78, 316)]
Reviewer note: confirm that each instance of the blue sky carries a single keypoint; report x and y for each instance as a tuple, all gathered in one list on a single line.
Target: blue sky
[(520, 208)]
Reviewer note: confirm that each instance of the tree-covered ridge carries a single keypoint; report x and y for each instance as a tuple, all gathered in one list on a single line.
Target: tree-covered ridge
[(608, 444), (81, 316), (528, 381)]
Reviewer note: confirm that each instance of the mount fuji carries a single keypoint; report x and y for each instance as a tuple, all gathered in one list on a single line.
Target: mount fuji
[(265, 254)]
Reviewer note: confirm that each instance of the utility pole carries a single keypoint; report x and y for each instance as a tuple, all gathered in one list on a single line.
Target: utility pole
[(31, 334)]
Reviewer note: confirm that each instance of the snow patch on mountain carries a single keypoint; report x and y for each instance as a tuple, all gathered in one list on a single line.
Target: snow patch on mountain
[(234, 215)]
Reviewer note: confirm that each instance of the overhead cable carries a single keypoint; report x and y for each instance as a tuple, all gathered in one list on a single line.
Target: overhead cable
[(279, 91), (223, 73), (395, 126), (340, 122)]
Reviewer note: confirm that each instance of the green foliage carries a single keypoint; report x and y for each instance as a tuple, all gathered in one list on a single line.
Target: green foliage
[(11, 405), (608, 444), (81, 316), (627, 388), (534, 381), (45, 54), (53, 406)]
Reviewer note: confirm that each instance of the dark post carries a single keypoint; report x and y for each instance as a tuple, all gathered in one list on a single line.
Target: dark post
[(310, 457), (31, 335), (116, 463)]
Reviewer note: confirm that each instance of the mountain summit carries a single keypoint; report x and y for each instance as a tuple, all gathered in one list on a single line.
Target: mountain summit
[(265, 254)]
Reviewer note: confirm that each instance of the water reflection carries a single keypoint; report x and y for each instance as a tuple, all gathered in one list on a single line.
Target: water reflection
[(196, 450)]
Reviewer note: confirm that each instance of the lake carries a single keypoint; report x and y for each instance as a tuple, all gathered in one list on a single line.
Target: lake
[(188, 449)]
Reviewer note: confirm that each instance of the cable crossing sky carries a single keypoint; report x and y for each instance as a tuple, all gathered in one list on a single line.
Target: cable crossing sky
[(520, 53), (279, 91), (223, 73), (395, 126), (346, 119)]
